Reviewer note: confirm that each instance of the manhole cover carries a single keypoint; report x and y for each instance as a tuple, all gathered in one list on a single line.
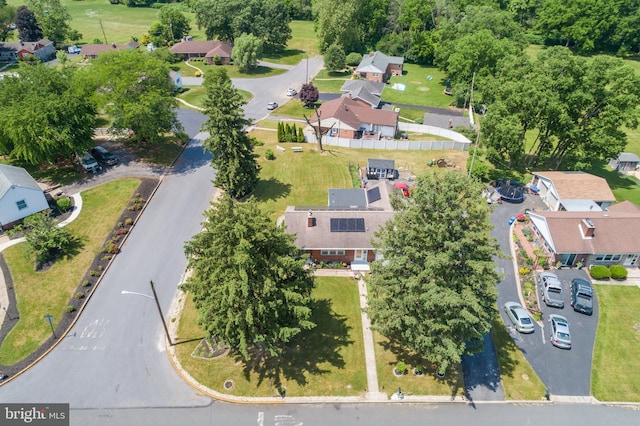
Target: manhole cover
[(228, 385)]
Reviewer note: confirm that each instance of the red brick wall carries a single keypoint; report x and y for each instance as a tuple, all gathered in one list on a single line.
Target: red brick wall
[(316, 256), (394, 69)]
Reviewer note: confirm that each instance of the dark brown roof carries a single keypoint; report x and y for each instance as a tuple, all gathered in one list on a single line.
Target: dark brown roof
[(614, 232), (209, 48), (353, 113)]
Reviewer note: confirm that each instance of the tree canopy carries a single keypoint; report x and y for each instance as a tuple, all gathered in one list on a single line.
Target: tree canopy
[(250, 288), (227, 20), (434, 291), (172, 25), (7, 16), (43, 236), (236, 165), (334, 58), (43, 116), (135, 89), (52, 17), (247, 50), (27, 24)]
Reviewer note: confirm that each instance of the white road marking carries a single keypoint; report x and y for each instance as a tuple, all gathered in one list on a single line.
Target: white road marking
[(261, 418), (286, 420)]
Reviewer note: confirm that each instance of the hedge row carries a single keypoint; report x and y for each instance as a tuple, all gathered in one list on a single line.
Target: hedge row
[(601, 272)]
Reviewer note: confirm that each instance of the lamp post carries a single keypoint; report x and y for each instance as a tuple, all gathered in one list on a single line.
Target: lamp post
[(7, 313), (155, 298)]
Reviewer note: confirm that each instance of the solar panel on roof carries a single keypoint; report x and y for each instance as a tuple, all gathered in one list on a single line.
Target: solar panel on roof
[(347, 225), (373, 194)]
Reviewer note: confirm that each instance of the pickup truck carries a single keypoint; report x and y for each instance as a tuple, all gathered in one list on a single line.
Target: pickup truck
[(551, 289)]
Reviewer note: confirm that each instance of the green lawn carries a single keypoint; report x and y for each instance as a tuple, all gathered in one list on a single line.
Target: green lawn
[(388, 355), (49, 292), (623, 187), (419, 90), (330, 82), (195, 95), (615, 356), (328, 360)]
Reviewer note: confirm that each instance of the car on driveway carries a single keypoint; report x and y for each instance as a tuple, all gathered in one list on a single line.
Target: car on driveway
[(89, 163), (291, 92), (104, 156), (519, 317), (559, 329), (551, 289), (581, 296), (272, 105)]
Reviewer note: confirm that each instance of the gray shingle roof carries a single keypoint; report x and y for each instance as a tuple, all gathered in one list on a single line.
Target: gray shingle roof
[(378, 62), (15, 176)]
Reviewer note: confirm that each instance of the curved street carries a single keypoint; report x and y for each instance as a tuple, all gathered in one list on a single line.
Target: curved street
[(113, 368)]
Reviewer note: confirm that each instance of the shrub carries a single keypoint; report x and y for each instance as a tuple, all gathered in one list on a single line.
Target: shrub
[(353, 59), (401, 367), (526, 232), (544, 263), (86, 283), (599, 272), (198, 74), (419, 370), (618, 272), (94, 273), (106, 258), (111, 247), (79, 295), (128, 221), (524, 271), (70, 308), (119, 225), (63, 204), (269, 155), (121, 231)]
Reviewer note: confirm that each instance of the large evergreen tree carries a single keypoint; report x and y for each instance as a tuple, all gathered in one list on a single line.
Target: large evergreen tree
[(434, 291), (248, 285), (27, 25), (235, 162)]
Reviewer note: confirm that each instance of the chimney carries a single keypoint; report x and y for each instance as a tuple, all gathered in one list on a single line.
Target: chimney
[(371, 53), (311, 221), (588, 228)]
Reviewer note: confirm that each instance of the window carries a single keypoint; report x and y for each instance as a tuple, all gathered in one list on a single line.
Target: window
[(21, 204), (333, 132), (608, 257), (332, 252)]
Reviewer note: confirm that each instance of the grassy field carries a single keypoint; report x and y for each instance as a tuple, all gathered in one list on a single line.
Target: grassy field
[(327, 360), (388, 355), (419, 89), (303, 178), (615, 356), (48, 292), (330, 82), (195, 95), (303, 42)]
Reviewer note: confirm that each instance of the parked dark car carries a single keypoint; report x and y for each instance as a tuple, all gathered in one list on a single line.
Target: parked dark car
[(104, 156), (581, 296)]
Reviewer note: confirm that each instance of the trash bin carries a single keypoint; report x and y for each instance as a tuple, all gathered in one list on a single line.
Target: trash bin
[(511, 220)]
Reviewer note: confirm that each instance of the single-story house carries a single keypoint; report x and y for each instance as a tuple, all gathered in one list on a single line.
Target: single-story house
[(91, 51), (176, 79), (213, 51), (569, 191), (343, 230), (626, 162), (353, 119), (364, 90), (20, 195), (376, 66), (381, 169), (11, 51), (591, 238)]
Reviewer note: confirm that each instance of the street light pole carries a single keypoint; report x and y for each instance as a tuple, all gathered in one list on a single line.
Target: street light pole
[(164, 324)]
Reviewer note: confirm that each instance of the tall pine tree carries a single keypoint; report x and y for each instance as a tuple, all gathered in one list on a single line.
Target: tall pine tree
[(249, 286), (434, 292), (232, 149)]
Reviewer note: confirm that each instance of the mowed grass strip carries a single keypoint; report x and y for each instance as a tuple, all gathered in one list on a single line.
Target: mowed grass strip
[(519, 380), (614, 372), (419, 89), (49, 292), (328, 360)]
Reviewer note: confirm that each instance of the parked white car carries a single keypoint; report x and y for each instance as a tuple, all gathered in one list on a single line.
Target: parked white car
[(519, 317)]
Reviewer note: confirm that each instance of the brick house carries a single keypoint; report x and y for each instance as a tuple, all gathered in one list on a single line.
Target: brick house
[(376, 66), (343, 230), (591, 238), (92, 51), (210, 50), (11, 51), (573, 191)]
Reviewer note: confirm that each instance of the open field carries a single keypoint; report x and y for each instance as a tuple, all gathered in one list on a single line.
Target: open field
[(615, 355), (328, 360), (49, 292), (419, 89)]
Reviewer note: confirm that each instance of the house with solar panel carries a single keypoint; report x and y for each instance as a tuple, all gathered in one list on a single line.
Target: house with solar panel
[(343, 230), (20, 195)]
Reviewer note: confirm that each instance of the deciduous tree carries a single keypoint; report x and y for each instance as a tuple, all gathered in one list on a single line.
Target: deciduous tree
[(7, 16), (434, 292), (52, 17), (43, 236), (334, 58), (27, 25), (309, 94), (236, 165), (247, 50), (249, 285)]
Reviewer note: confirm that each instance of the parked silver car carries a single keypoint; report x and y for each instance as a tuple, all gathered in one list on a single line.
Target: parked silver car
[(551, 289), (519, 317), (559, 329)]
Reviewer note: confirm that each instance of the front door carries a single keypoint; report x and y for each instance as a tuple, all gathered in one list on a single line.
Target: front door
[(360, 255), (568, 259), (631, 260)]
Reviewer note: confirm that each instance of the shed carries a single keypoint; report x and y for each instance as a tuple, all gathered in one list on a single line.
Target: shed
[(20, 195), (626, 162), (381, 169)]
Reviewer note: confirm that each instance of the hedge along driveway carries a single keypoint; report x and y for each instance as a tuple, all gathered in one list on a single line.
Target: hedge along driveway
[(49, 292)]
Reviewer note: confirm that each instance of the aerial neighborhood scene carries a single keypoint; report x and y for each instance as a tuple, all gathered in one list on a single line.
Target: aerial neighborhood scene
[(319, 211)]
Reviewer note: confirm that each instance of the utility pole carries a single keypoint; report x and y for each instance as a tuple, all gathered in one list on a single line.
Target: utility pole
[(475, 148), (103, 34), (164, 324)]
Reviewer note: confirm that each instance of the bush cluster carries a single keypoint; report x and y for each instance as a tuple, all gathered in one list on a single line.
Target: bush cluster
[(599, 272), (618, 272), (269, 155), (289, 133), (64, 204)]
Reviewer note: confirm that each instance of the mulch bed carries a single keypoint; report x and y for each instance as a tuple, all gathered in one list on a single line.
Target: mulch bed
[(86, 286)]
